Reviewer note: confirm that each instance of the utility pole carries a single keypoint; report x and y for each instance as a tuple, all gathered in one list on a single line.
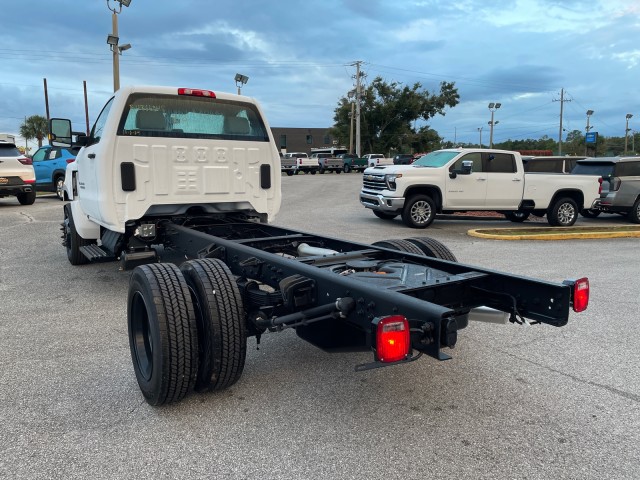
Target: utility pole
[(351, 128), (358, 95), (589, 127), (480, 130), (562, 100)]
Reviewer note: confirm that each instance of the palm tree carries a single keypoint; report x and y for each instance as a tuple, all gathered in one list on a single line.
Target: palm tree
[(36, 127)]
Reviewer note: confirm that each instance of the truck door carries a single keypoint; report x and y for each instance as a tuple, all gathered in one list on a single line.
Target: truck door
[(466, 191), (93, 158), (505, 184)]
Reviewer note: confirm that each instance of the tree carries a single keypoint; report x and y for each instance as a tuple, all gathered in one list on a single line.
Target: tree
[(36, 127), (388, 112)]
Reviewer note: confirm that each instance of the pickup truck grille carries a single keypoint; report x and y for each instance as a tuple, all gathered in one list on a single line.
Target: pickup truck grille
[(373, 182)]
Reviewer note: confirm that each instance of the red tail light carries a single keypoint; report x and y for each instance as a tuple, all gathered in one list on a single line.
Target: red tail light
[(392, 339), (70, 160), (25, 161), (196, 93), (600, 187), (580, 295), (29, 180)]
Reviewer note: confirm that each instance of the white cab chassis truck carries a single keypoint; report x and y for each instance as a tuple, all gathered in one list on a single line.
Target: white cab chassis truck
[(458, 180), (180, 184)]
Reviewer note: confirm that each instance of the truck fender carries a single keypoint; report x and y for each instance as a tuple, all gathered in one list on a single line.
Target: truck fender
[(85, 227)]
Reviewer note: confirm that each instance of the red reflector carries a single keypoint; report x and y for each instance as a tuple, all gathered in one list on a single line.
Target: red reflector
[(392, 339), (70, 160), (196, 93), (25, 161), (30, 180), (600, 187), (581, 295)]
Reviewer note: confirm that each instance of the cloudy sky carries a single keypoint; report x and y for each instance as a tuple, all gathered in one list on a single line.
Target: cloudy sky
[(298, 56)]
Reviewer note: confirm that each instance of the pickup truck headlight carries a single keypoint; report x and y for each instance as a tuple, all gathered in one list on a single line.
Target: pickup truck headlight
[(390, 180)]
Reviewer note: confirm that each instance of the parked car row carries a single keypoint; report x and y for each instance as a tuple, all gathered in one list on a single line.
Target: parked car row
[(294, 163)]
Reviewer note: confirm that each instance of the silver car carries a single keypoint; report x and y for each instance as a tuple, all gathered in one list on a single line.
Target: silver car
[(17, 176), (620, 186)]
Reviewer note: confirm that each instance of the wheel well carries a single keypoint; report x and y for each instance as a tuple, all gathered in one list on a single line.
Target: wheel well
[(430, 190), (576, 195)]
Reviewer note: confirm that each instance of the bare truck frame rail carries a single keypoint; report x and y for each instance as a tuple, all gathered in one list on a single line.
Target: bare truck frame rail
[(337, 294)]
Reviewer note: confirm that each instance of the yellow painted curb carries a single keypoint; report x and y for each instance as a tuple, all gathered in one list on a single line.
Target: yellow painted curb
[(563, 235)]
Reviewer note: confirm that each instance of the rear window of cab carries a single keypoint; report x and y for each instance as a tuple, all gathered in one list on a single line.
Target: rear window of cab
[(154, 115)]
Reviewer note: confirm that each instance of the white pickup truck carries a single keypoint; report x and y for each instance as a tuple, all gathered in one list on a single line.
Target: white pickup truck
[(292, 163), (377, 160), (452, 180)]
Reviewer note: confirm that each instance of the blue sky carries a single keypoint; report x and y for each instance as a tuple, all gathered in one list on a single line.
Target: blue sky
[(298, 56)]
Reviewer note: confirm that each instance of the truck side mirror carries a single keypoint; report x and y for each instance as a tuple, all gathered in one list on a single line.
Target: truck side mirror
[(60, 132), (467, 169)]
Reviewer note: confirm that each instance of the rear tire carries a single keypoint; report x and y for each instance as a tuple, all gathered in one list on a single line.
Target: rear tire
[(220, 320), (634, 213), (433, 248), (58, 182), (72, 240), (346, 168), (563, 213), (289, 173), (27, 198), (419, 211), (163, 338)]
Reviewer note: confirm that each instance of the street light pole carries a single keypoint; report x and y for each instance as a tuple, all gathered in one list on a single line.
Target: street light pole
[(589, 113), (626, 133), (113, 39), (492, 107), (480, 131)]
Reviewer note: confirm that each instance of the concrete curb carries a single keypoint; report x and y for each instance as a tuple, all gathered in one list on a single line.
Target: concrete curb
[(563, 233)]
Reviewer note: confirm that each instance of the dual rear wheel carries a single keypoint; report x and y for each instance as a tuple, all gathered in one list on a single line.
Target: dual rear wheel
[(186, 329)]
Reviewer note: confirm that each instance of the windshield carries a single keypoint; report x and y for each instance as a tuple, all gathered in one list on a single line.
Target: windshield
[(603, 169), (9, 150), (436, 159)]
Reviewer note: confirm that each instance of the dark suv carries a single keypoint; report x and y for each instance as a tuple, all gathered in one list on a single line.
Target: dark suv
[(620, 186), (403, 159)]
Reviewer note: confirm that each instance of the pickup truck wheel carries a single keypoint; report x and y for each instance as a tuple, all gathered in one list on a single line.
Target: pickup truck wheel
[(338, 172), (297, 172), (419, 211), (290, 173), (517, 216), (163, 338), (71, 240), (586, 213), (59, 183), (634, 213), (346, 168), (563, 213), (400, 245), (27, 198), (321, 171), (313, 172), (220, 319), (433, 248), (385, 216)]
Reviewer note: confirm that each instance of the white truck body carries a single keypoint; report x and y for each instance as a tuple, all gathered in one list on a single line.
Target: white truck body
[(377, 160), (168, 150), (495, 181)]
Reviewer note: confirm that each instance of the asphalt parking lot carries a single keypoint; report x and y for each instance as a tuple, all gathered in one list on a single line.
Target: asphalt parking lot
[(515, 402)]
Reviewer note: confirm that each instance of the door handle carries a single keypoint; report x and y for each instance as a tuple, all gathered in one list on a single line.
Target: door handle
[(517, 180), (92, 155), (482, 179)]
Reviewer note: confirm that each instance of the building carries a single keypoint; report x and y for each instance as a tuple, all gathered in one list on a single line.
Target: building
[(302, 139)]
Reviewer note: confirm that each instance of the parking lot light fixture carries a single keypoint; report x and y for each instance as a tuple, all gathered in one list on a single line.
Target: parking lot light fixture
[(240, 81), (626, 133), (113, 39)]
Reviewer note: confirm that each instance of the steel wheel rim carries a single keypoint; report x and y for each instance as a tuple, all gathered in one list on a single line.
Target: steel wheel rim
[(59, 189), (420, 212), (566, 213)]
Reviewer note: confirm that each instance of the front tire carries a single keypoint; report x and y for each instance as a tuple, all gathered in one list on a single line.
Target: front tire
[(586, 213), (385, 216), (346, 168), (73, 241), (517, 216), (563, 213), (419, 211), (289, 173), (220, 320), (163, 337), (59, 184)]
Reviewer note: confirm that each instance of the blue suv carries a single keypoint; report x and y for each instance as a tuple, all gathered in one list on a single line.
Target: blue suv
[(50, 164)]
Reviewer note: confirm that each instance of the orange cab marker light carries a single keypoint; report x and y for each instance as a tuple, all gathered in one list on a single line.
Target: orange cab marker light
[(196, 93), (392, 339)]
